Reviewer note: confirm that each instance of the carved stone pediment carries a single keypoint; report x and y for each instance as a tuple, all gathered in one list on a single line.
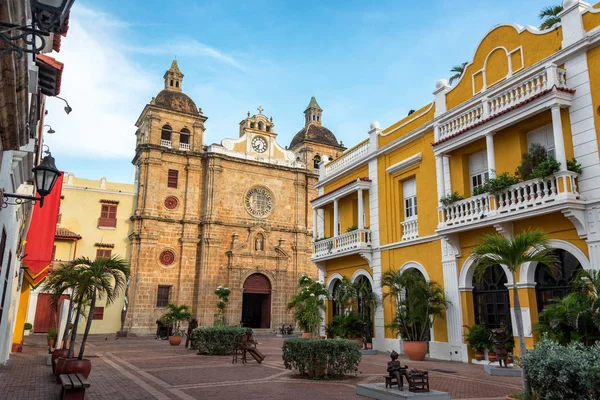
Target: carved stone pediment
[(257, 242)]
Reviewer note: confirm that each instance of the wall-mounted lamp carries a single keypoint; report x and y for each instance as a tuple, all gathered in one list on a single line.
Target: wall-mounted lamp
[(50, 131), (68, 108)]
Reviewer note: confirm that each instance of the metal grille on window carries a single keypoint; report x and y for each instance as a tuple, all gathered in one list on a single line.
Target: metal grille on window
[(173, 178), (491, 301), (162, 299), (551, 286)]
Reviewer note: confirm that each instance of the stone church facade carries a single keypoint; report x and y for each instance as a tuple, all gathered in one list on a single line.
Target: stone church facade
[(235, 214)]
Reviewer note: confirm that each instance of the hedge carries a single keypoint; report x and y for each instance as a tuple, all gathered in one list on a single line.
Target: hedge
[(214, 340), (557, 372), (338, 357)]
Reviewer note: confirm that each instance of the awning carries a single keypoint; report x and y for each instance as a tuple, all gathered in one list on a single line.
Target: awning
[(40, 238), (50, 74)]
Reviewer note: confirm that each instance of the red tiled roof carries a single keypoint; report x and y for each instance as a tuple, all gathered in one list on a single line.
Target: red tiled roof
[(364, 179), (57, 37), (64, 233), (50, 74), (483, 121)]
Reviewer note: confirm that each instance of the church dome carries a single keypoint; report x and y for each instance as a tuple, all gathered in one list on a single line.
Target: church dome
[(176, 101), (315, 133)]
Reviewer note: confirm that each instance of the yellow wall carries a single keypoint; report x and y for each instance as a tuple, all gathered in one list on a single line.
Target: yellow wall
[(80, 209), (21, 315), (594, 65), (361, 172), (407, 124), (591, 20)]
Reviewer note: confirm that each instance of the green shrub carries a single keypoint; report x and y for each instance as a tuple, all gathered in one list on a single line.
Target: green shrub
[(557, 372), (478, 338), (51, 335), (500, 183), (574, 166), (351, 228), (451, 198), (530, 160), (217, 340), (545, 169), (27, 326), (349, 326), (340, 357)]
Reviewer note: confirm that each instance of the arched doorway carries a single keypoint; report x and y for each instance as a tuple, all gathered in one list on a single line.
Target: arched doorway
[(365, 304), (336, 307), (491, 299), (549, 286), (256, 302)]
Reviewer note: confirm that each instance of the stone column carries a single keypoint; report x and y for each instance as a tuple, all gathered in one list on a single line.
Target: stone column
[(491, 157)]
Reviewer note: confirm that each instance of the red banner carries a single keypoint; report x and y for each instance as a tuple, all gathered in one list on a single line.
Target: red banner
[(40, 238)]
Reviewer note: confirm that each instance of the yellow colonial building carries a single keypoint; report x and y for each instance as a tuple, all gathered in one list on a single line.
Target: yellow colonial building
[(93, 222), (379, 206)]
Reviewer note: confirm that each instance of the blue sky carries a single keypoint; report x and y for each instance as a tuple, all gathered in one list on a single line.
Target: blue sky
[(363, 60)]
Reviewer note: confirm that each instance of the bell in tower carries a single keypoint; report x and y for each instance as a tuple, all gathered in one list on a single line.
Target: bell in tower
[(173, 77)]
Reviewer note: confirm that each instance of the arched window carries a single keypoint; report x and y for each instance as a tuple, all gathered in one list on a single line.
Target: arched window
[(316, 161), (318, 118), (184, 136), (558, 286), (490, 299), (171, 82), (337, 308), (313, 117), (268, 129), (261, 126), (252, 125), (176, 83), (165, 133)]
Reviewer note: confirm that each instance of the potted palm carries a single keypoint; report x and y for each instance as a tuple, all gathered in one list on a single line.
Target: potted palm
[(478, 339), (527, 246), (418, 303), (95, 280), (307, 305), (51, 338), (174, 316)]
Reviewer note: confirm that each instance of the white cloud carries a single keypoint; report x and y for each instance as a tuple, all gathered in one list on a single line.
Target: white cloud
[(105, 89)]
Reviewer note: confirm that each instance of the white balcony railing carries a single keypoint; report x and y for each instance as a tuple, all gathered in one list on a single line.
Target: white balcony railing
[(410, 229), (360, 238), (522, 89), (184, 146), (348, 159), (165, 143), (532, 195)]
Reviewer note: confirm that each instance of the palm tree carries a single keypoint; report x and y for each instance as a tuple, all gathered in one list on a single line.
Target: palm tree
[(308, 303), (175, 315), (344, 292), (58, 283), (549, 15), (95, 280), (528, 246), (370, 300), (458, 71)]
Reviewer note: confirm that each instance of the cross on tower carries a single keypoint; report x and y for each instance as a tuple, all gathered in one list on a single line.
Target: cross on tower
[(260, 109)]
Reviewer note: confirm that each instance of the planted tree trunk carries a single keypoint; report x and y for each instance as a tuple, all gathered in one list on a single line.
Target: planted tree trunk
[(88, 325), (74, 331), (521, 334), (66, 334)]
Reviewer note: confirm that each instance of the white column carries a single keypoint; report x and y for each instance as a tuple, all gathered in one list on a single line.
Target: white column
[(559, 141), (320, 223), (336, 218), (491, 158), (439, 169), (315, 228), (361, 211)]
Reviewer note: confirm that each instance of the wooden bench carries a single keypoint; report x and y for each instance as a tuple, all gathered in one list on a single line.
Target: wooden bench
[(73, 386)]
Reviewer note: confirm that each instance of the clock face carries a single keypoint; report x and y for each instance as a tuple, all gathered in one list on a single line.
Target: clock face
[(259, 144)]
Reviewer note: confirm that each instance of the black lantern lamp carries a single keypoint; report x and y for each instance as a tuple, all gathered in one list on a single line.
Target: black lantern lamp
[(50, 15), (45, 176)]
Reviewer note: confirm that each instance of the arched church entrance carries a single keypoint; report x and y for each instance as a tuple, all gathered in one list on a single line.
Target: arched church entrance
[(256, 302)]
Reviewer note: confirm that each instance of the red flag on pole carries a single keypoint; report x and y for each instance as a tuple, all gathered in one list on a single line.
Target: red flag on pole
[(40, 238)]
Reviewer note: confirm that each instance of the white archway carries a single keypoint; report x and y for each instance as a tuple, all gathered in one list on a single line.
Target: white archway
[(465, 278), (362, 272), (331, 281), (527, 274), (417, 266)]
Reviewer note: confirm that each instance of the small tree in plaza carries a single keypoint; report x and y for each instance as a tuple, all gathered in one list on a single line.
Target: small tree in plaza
[(528, 246), (308, 303), (223, 295)]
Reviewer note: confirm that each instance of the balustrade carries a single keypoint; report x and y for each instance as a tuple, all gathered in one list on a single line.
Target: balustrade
[(359, 238), (348, 159), (410, 229)]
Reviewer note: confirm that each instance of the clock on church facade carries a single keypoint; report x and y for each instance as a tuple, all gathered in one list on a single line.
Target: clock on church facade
[(234, 214)]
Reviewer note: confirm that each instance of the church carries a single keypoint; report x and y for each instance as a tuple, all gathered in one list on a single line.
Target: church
[(235, 214)]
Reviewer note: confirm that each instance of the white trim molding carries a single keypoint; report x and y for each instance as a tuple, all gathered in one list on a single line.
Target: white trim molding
[(527, 273), (405, 164), (417, 266), (362, 272)]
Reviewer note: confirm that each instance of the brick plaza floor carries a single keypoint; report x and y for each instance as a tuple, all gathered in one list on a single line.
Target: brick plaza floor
[(145, 368)]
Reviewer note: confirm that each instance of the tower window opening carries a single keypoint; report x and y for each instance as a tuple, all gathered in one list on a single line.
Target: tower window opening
[(260, 126), (165, 133), (268, 129), (313, 117), (316, 162), (318, 118), (252, 125), (176, 83), (171, 82)]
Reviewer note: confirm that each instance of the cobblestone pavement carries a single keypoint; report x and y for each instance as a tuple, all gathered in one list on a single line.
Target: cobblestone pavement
[(145, 368)]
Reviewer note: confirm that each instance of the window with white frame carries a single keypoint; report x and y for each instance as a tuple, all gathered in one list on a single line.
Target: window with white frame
[(543, 136), (478, 170), (409, 190)]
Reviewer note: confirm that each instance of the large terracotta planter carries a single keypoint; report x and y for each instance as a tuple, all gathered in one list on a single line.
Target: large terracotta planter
[(56, 354), (492, 356), (479, 355), (175, 340), (306, 335), (75, 366), (415, 350)]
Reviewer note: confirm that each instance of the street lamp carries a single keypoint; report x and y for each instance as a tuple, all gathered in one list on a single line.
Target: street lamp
[(68, 108), (45, 176), (49, 15)]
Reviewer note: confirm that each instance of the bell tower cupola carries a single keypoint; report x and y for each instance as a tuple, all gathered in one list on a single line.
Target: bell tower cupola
[(173, 77), (313, 113)]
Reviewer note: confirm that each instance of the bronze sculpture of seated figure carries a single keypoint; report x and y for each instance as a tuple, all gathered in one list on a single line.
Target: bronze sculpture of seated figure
[(396, 372)]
